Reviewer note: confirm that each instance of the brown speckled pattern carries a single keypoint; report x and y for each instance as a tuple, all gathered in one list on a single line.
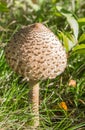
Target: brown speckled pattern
[(35, 53)]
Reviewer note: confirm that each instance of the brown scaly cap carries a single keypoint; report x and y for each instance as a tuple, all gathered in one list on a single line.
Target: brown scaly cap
[(36, 53)]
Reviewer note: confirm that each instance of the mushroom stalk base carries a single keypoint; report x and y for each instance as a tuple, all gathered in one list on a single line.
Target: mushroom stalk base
[(35, 104)]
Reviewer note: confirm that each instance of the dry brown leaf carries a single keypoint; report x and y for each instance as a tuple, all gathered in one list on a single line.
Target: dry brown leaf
[(63, 105), (72, 83)]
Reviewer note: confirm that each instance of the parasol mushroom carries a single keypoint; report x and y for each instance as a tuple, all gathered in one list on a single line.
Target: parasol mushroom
[(35, 53)]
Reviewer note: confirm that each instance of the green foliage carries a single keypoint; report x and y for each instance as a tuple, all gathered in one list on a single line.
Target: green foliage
[(81, 21), (82, 38), (69, 43), (69, 26), (80, 49), (3, 7)]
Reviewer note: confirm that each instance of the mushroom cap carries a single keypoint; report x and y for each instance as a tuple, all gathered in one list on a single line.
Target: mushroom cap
[(36, 53)]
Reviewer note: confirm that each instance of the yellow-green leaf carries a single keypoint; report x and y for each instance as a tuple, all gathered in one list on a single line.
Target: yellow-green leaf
[(79, 49), (82, 38)]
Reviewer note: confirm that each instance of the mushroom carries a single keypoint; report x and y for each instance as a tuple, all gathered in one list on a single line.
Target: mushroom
[(35, 53)]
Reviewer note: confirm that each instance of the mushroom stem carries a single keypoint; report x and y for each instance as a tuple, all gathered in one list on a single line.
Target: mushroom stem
[(35, 103)]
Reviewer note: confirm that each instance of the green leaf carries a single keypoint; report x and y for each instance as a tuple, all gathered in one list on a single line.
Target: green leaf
[(81, 46), (81, 21), (68, 44), (65, 41), (71, 20), (74, 25), (82, 38), (80, 49), (71, 37), (3, 7)]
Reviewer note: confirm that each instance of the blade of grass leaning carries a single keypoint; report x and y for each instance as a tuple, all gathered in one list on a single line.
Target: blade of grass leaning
[(77, 127)]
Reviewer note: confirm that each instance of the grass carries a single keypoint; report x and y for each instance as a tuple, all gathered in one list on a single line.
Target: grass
[(14, 105)]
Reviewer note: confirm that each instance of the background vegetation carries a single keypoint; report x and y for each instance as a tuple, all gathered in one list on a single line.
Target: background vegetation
[(62, 104)]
